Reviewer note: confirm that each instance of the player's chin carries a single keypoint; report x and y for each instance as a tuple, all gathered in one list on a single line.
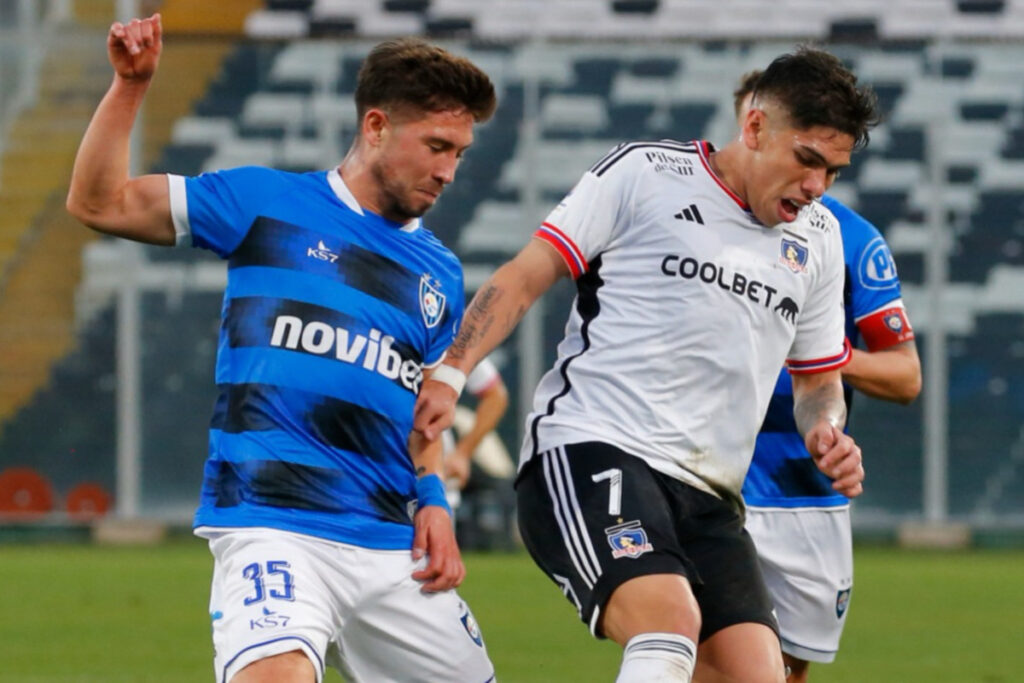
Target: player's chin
[(417, 207), (423, 200)]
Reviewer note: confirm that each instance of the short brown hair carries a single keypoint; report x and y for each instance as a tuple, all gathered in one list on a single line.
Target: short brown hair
[(816, 89), (748, 82), (413, 73)]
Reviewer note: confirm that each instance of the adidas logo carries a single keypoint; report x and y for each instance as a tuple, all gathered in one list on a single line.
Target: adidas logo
[(690, 213)]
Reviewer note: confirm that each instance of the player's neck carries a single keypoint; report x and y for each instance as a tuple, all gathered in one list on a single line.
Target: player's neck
[(358, 177), (726, 163)]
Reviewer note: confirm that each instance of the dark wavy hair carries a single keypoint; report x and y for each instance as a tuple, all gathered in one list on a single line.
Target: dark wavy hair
[(816, 89), (411, 73)]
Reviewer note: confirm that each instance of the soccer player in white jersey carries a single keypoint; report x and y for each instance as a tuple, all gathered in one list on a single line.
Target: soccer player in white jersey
[(331, 535), (700, 272), (801, 527)]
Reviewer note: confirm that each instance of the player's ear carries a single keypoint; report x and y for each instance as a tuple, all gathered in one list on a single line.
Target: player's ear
[(753, 129), (375, 126)]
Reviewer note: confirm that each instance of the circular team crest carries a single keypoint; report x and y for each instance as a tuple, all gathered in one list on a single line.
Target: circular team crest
[(877, 269)]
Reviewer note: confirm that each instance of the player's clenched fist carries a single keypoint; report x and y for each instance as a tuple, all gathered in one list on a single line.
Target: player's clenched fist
[(435, 409), (134, 48), (435, 539), (838, 457)]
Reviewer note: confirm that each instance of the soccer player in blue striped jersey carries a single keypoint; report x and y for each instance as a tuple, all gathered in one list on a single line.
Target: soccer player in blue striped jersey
[(800, 524), (332, 540)]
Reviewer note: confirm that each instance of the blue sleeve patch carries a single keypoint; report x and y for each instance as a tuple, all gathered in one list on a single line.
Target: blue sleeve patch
[(877, 268)]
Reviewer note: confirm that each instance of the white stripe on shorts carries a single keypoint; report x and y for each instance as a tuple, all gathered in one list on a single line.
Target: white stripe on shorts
[(569, 516)]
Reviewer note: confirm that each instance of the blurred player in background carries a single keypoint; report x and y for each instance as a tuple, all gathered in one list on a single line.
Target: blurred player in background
[(800, 525), (461, 442), (699, 273), (331, 535)]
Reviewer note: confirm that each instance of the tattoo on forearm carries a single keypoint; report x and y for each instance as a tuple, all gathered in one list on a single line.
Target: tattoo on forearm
[(822, 403), (478, 321)]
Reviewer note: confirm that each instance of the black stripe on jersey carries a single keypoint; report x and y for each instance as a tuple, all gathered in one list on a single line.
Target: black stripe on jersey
[(276, 483), (332, 421), (795, 236), (588, 307), (609, 155), (276, 244), (281, 484), (611, 159)]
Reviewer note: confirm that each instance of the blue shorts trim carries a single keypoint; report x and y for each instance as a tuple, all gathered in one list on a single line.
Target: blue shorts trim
[(319, 662)]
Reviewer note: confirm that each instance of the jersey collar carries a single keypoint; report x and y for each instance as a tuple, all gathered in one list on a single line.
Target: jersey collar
[(704, 150), (346, 197)]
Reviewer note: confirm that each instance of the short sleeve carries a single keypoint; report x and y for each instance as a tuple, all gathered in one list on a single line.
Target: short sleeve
[(215, 210), (820, 343), (586, 220), (874, 281), (875, 295), (483, 377)]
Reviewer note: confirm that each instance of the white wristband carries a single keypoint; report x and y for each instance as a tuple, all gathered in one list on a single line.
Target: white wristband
[(451, 376)]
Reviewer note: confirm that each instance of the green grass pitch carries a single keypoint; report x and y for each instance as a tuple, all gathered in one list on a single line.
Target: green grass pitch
[(76, 613)]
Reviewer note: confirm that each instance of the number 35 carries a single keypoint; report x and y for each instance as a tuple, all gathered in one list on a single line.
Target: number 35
[(254, 572)]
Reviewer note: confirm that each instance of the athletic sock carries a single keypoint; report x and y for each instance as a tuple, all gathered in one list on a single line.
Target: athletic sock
[(657, 658)]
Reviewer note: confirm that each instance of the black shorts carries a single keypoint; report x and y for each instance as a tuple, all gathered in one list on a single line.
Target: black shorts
[(593, 517)]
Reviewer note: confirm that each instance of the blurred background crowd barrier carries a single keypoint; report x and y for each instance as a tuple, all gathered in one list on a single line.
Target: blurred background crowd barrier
[(107, 348)]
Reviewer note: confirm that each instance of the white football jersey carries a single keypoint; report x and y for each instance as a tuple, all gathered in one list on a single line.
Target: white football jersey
[(687, 306)]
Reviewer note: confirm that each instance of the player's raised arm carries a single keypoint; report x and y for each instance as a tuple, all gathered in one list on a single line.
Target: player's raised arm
[(102, 194), (820, 412), (493, 313)]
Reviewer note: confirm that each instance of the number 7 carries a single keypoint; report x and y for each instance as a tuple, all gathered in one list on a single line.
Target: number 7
[(614, 477)]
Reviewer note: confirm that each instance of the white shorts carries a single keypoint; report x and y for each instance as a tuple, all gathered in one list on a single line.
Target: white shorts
[(355, 609), (806, 557)]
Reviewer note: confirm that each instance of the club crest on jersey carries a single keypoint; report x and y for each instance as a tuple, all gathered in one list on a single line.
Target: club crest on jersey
[(628, 540), (431, 301), (794, 255), (842, 602), (894, 321), (472, 628)]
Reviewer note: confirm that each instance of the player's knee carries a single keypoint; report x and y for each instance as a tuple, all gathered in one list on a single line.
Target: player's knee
[(655, 603), (287, 667)]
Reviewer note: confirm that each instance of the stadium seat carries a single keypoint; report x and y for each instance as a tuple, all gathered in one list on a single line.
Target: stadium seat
[(87, 501), (24, 492)]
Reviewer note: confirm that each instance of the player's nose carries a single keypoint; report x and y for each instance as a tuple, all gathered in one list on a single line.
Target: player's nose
[(815, 183)]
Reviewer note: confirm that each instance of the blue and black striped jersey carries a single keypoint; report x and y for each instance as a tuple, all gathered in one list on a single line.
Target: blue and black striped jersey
[(329, 316)]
